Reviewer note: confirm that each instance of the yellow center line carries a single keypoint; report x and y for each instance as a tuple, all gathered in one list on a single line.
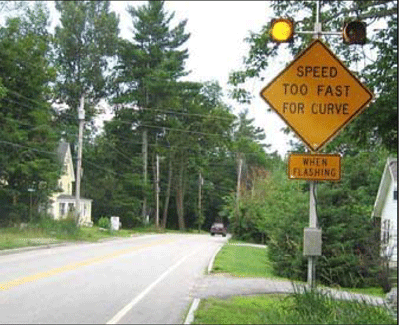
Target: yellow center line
[(73, 266)]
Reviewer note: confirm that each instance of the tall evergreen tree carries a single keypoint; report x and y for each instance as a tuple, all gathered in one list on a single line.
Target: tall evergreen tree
[(149, 68), (85, 41), (150, 65), (27, 136)]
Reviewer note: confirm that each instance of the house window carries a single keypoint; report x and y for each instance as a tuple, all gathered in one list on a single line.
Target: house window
[(395, 195), (70, 207), (385, 231), (62, 209)]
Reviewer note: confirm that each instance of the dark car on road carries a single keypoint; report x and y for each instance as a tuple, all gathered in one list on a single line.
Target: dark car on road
[(218, 228)]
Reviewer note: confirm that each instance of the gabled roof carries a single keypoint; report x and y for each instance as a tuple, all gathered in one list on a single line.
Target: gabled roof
[(62, 150), (389, 176), (393, 169)]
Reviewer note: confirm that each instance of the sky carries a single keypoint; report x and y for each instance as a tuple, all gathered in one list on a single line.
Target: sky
[(217, 47)]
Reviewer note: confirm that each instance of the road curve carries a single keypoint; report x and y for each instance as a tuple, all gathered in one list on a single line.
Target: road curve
[(143, 280)]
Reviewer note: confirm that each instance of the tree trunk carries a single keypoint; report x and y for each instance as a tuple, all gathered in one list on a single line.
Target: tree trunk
[(168, 194), (199, 220), (154, 168), (180, 197), (144, 150)]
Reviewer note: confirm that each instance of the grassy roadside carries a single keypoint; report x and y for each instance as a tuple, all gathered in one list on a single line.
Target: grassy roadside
[(54, 232), (288, 309), (243, 261), (16, 238), (310, 308)]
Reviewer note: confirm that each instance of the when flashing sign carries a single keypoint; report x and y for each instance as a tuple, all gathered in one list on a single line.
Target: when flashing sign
[(314, 167)]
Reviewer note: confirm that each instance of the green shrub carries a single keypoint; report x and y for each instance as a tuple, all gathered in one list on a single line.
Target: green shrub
[(66, 227), (104, 222), (279, 208), (313, 306)]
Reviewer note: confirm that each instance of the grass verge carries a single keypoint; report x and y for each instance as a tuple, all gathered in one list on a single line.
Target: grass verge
[(299, 308), (48, 231), (243, 261), (247, 261), (373, 291), (34, 236), (311, 308)]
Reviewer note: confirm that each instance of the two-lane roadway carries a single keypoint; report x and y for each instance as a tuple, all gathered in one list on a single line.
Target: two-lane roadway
[(139, 280)]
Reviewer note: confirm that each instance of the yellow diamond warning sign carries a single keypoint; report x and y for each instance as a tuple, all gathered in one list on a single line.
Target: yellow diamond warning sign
[(316, 95), (314, 167)]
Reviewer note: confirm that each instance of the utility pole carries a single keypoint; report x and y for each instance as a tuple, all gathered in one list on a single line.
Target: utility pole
[(30, 190), (81, 117), (199, 206), (238, 192), (238, 182)]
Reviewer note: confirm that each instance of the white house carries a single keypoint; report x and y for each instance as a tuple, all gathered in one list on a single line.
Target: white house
[(386, 208), (63, 202)]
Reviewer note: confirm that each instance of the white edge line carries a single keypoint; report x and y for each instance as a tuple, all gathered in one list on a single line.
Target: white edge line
[(210, 265), (190, 316), (139, 297)]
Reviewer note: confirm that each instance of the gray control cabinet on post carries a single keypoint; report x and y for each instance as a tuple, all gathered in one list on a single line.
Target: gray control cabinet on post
[(312, 242)]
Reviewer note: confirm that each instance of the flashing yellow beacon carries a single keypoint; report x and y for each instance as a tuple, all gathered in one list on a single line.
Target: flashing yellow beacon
[(282, 30)]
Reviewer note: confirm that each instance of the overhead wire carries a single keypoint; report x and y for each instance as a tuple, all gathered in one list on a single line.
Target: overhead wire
[(113, 172), (130, 122)]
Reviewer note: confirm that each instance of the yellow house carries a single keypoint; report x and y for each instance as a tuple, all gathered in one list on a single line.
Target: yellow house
[(63, 202)]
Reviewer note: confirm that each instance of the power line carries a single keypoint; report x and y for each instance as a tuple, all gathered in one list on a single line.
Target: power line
[(170, 111), (130, 122), (129, 142), (112, 172)]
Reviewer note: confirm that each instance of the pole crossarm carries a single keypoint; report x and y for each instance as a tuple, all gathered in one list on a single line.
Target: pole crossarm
[(320, 33)]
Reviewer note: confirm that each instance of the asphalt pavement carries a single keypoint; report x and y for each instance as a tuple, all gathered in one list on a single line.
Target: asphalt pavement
[(141, 280), (151, 279)]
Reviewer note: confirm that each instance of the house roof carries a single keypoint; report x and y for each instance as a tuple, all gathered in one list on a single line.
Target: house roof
[(62, 150), (393, 169), (67, 197), (389, 176)]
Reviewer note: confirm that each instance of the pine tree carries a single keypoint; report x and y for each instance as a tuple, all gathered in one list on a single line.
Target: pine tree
[(84, 43), (148, 70), (27, 135)]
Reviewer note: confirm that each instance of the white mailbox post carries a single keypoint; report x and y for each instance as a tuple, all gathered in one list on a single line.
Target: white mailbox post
[(114, 223)]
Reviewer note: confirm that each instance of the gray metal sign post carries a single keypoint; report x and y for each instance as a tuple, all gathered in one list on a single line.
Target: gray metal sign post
[(313, 186)]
